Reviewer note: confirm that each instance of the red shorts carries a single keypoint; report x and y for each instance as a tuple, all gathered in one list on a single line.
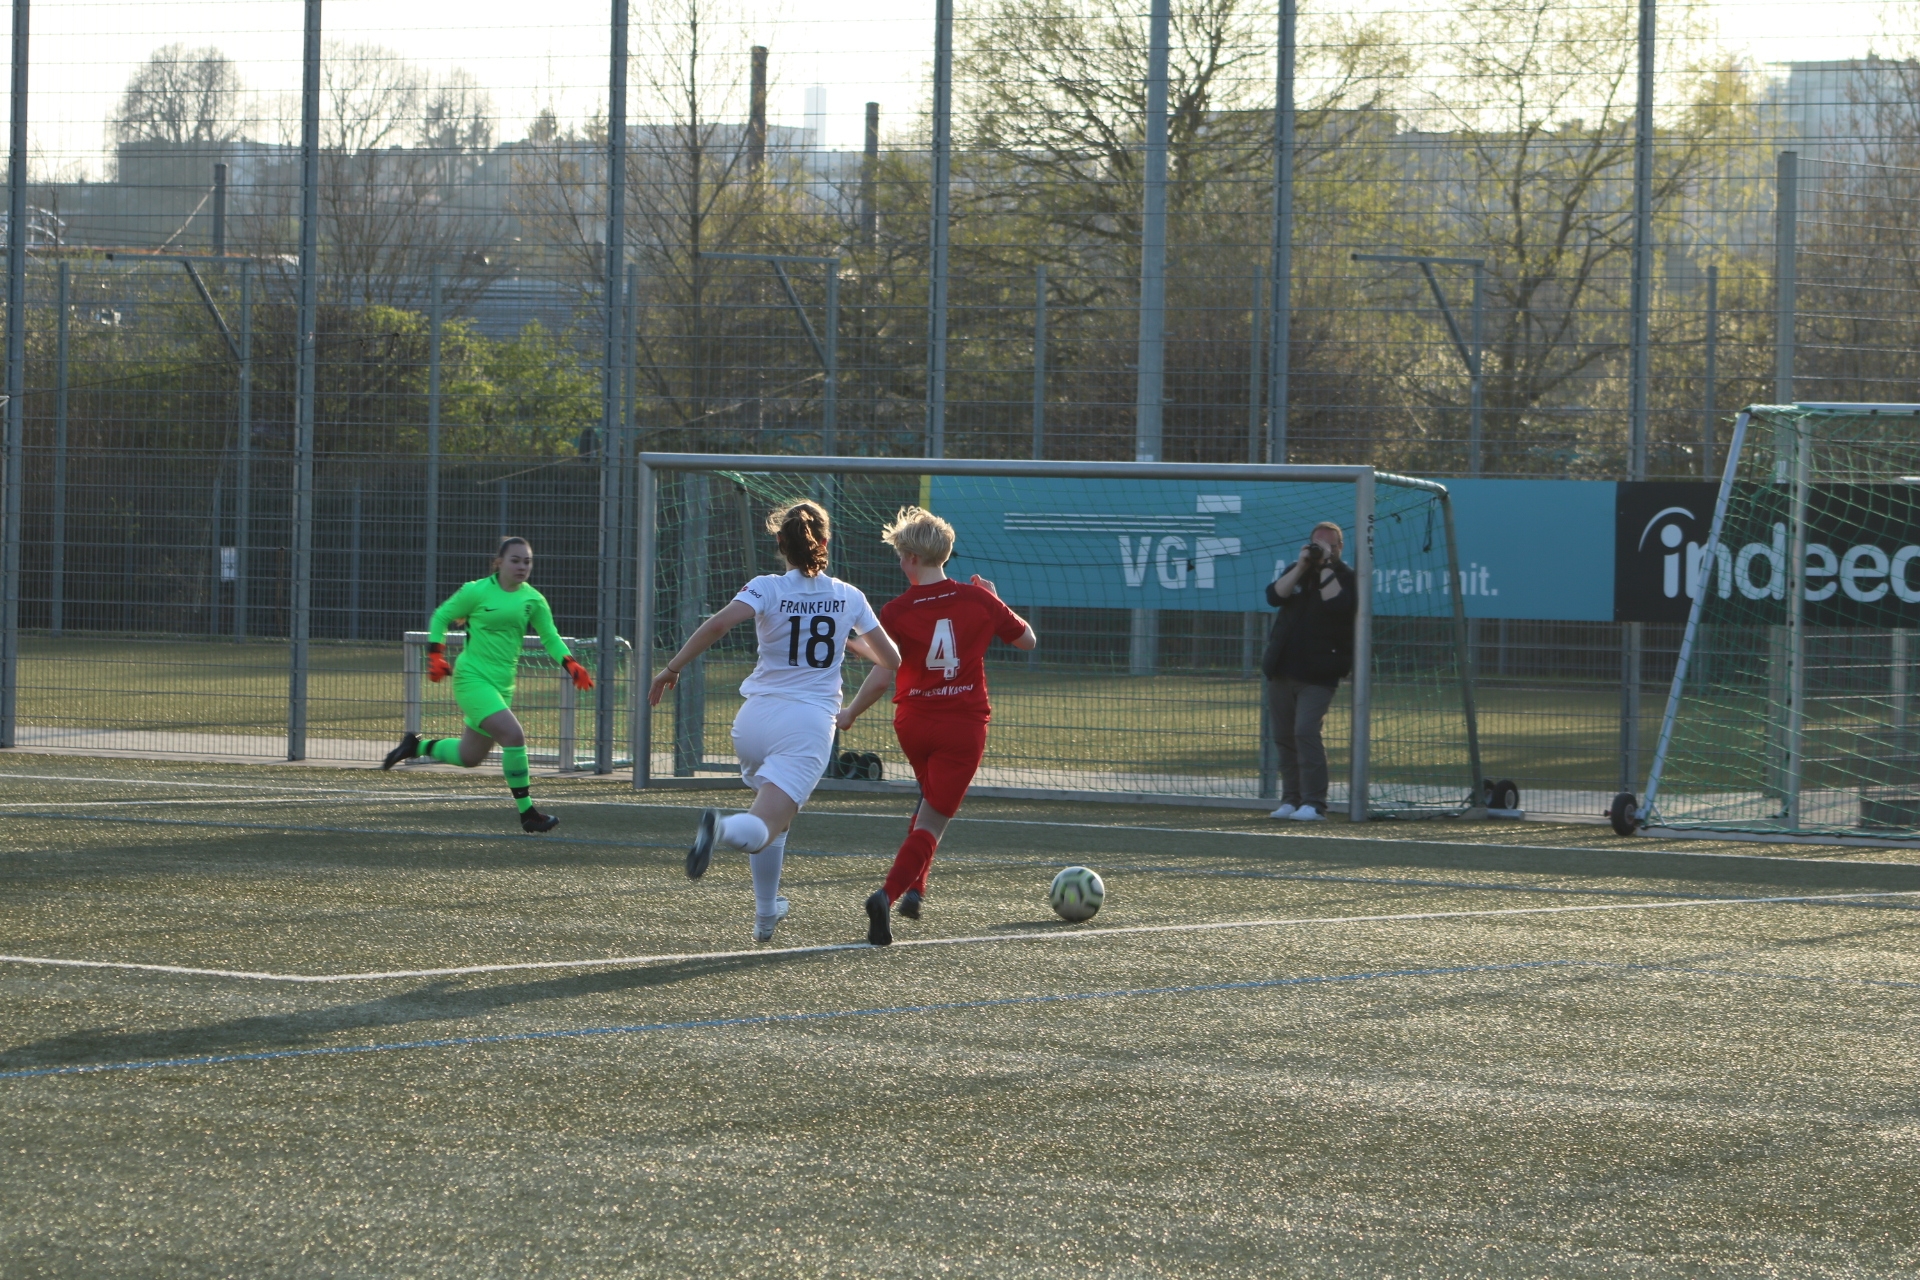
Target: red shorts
[(945, 753)]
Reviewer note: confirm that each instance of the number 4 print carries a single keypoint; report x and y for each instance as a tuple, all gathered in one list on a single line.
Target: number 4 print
[(943, 654)]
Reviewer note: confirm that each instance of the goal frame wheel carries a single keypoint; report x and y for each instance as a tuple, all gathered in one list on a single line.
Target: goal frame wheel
[(1623, 813)]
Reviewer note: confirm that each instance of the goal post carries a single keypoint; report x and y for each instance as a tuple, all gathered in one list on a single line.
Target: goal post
[(1146, 584), (1788, 715)]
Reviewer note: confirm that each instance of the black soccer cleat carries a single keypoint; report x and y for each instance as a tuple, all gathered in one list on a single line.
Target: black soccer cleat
[(909, 904), (700, 856), (879, 932), (409, 748), (534, 822)]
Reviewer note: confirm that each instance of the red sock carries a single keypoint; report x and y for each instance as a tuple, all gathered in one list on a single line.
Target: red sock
[(910, 865)]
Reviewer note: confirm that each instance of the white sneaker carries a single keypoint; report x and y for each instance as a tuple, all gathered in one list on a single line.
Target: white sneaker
[(1307, 813), (763, 926), (1284, 811)]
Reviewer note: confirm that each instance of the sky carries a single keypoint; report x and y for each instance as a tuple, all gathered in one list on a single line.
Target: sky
[(535, 53)]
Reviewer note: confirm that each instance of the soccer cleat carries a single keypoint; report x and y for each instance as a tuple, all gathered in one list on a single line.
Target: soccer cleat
[(1307, 813), (534, 822), (409, 748), (909, 904), (763, 926), (879, 932), (700, 856), (1284, 811)]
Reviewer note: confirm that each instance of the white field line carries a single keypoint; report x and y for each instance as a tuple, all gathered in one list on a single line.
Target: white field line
[(1065, 935), (1381, 837)]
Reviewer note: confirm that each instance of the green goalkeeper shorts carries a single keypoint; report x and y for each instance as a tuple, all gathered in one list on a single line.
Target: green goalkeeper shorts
[(479, 698)]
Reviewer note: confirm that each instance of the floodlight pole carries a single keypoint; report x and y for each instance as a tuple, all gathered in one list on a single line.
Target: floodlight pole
[(301, 621), (1472, 352)]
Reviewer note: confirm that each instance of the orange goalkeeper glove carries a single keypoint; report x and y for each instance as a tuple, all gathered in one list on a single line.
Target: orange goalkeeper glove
[(581, 680), (438, 668)]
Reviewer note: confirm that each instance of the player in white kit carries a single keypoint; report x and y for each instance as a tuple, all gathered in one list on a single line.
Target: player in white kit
[(807, 621)]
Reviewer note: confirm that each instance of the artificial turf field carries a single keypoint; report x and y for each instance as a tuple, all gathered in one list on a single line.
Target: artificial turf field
[(1434, 1049)]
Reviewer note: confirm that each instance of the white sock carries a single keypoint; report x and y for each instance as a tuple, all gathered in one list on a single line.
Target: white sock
[(742, 831), (766, 873)]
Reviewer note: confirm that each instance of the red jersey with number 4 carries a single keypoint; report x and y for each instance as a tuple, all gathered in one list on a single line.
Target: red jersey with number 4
[(943, 630)]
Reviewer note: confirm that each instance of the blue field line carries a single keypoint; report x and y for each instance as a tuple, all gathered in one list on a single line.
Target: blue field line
[(773, 1019)]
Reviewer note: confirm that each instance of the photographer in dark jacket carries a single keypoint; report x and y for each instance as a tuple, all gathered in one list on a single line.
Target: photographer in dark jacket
[(1309, 650)]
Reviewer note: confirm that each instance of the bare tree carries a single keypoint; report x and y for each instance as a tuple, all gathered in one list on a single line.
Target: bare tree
[(457, 116), (181, 95), (398, 153)]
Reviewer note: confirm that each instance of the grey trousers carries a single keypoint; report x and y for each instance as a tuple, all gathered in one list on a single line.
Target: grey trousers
[(1296, 709)]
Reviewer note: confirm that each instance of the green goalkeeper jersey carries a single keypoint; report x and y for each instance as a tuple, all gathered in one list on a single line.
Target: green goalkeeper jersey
[(497, 621)]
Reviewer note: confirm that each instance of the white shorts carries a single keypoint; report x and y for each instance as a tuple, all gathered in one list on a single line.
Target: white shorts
[(783, 742)]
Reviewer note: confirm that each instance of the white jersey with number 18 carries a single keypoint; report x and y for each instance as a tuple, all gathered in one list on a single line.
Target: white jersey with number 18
[(804, 625)]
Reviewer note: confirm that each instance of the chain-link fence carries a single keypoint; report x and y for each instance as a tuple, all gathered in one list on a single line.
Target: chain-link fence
[(751, 231)]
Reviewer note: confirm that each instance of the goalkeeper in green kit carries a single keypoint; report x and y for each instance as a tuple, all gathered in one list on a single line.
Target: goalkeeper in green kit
[(498, 610)]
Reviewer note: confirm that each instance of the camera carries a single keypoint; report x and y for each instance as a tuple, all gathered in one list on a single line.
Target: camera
[(1316, 555)]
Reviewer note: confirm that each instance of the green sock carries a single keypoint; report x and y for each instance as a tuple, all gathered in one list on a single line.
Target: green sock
[(445, 750), (513, 763)]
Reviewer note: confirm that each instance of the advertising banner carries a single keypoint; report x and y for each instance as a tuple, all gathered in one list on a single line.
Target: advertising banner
[(1862, 557), (1132, 544), (1550, 550)]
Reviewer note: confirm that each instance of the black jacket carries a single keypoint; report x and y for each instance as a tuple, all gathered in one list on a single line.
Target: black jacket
[(1312, 639)]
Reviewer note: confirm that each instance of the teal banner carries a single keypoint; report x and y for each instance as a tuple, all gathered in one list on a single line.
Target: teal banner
[(1541, 549)]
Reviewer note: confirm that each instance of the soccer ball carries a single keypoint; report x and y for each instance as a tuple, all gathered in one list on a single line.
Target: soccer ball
[(1077, 893)]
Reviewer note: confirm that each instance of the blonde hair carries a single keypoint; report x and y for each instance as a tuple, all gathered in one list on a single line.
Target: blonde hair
[(801, 529), (918, 532)]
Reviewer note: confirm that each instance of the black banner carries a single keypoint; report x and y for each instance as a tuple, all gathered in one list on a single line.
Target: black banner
[(1862, 556)]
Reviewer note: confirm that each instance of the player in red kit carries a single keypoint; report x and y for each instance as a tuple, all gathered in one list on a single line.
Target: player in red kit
[(940, 713)]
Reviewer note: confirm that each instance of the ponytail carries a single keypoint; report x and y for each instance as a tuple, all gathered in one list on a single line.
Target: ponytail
[(801, 529)]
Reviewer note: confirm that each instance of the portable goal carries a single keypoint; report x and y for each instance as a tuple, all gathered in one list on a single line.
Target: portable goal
[(1789, 714), (1145, 582)]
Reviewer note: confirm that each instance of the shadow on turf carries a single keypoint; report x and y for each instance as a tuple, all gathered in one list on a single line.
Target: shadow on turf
[(435, 1002)]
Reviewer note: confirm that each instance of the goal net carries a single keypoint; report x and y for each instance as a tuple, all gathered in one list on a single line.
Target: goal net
[(1145, 583), (1790, 708)]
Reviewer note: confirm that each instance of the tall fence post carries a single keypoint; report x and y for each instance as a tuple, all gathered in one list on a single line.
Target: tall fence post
[(1040, 361), (610, 407), (431, 516), (1640, 281), (1707, 425), (1639, 358), (1360, 735), (57, 593), (830, 408), (937, 229), (641, 734), (1476, 374), (1143, 648), (16, 386), (301, 621), (243, 464), (1786, 268), (690, 695), (1280, 308), (353, 560)]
